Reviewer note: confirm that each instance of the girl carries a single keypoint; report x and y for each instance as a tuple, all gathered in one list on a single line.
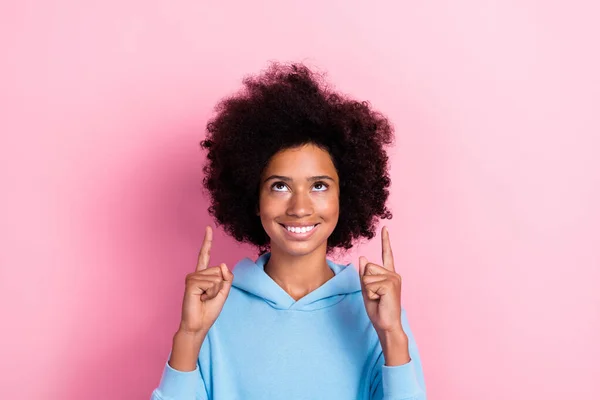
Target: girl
[(298, 171)]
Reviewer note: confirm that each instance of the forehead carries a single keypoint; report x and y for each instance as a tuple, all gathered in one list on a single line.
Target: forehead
[(299, 161)]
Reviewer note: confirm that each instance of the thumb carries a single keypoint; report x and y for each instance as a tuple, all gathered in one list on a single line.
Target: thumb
[(362, 263), (226, 274)]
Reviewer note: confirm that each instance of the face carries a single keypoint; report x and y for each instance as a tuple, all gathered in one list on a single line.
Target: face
[(299, 200)]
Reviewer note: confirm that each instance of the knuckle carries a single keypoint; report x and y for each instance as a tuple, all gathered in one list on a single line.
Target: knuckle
[(190, 276)]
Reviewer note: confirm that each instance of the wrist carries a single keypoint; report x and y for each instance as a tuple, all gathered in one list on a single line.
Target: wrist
[(184, 330), (186, 347), (189, 336), (394, 345), (393, 335)]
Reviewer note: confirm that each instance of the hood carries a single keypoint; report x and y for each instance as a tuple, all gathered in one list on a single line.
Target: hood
[(250, 277)]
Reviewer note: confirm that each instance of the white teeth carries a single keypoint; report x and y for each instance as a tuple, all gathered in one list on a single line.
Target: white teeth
[(303, 229)]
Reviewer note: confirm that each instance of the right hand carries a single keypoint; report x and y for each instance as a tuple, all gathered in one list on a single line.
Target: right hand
[(206, 290)]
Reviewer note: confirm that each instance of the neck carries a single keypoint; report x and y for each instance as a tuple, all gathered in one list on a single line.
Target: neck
[(299, 275)]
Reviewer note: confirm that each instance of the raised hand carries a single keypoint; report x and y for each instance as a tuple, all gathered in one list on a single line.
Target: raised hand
[(381, 289), (206, 290)]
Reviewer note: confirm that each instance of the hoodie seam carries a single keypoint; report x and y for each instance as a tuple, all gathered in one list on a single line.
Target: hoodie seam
[(343, 297)]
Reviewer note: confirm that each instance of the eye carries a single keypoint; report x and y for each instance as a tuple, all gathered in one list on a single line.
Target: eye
[(279, 187), (320, 186)]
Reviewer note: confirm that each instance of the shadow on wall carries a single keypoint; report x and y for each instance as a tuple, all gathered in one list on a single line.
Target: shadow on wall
[(143, 223)]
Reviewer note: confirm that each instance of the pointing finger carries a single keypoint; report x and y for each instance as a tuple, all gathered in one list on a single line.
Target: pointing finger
[(386, 250), (204, 257)]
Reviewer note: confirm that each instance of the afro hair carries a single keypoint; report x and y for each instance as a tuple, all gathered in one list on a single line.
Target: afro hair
[(288, 106)]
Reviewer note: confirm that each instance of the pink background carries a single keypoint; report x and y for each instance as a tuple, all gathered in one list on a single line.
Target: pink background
[(496, 180)]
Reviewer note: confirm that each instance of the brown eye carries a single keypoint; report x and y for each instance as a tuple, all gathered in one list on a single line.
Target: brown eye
[(320, 186), (279, 186)]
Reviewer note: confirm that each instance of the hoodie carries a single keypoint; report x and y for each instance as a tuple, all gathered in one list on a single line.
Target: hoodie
[(266, 345)]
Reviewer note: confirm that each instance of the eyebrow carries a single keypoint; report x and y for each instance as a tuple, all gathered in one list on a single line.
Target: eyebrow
[(288, 179)]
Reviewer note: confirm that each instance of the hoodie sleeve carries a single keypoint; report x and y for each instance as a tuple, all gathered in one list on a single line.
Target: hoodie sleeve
[(180, 385), (401, 382)]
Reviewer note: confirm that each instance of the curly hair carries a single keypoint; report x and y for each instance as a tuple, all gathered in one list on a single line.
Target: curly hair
[(288, 106)]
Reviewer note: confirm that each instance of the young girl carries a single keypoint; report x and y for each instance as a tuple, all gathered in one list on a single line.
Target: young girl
[(298, 171)]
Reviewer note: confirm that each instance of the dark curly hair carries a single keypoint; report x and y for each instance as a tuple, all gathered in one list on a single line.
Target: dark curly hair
[(285, 107)]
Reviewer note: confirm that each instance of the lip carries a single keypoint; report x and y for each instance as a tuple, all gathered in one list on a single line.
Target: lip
[(298, 225), (299, 236)]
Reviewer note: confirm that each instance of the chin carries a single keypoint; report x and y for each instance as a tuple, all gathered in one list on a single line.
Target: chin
[(296, 249)]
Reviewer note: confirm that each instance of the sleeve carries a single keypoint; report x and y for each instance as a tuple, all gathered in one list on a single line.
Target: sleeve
[(180, 385), (401, 382)]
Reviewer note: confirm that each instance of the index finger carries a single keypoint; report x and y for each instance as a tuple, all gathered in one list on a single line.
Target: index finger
[(204, 256), (386, 250)]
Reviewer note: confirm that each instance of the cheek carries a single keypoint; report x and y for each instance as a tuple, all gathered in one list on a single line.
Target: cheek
[(270, 207), (329, 207)]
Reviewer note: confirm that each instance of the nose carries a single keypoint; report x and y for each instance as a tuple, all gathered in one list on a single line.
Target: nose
[(300, 205)]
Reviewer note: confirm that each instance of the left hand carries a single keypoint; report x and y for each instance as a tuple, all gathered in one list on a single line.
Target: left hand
[(381, 289)]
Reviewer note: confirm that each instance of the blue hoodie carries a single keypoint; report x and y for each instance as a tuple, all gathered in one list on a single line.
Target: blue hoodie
[(266, 345)]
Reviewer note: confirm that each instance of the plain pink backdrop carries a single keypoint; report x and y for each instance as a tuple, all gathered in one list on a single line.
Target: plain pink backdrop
[(496, 180)]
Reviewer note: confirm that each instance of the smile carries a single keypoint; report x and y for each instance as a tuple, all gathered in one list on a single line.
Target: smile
[(299, 232), (299, 229)]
